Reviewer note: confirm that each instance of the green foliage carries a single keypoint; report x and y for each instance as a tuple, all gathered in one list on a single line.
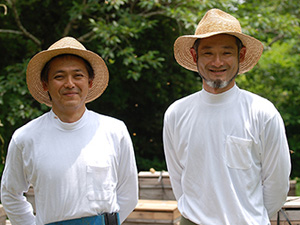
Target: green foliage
[(276, 75), (135, 38), (1, 148)]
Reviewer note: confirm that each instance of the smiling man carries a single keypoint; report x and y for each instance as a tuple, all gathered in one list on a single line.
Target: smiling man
[(67, 80), (217, 60), (81, 164), (226, 148)]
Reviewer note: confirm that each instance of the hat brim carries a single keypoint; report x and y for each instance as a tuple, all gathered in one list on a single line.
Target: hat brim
[(37, 63), (183, 44)]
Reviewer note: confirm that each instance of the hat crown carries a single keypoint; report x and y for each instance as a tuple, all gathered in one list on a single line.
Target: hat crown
[(215, 21), (67, 42)]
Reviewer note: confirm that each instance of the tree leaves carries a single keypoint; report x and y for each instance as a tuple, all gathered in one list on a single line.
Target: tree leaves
[(135, 38)]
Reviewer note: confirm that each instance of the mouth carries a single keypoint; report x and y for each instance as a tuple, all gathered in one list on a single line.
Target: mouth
[(218, 71), (70, 94)]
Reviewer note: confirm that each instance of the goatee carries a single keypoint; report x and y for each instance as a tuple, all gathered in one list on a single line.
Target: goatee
[(217, 83)]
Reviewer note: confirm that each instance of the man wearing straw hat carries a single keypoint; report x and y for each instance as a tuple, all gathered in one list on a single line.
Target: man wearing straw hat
[(226, 148), (80, 163)]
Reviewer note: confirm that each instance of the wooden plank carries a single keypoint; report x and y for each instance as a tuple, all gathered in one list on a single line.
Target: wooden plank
[(150, 222), (163, 182), (154, 193), (292, 202), (153, 182), (292, 215), (155, 186), (292, 191), (292, 211), (155, 174), (154, 212), (285, 222), (156, 205), (150, 215)]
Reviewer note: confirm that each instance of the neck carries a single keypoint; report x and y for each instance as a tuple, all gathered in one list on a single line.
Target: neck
[(69, 115), (217, 90)]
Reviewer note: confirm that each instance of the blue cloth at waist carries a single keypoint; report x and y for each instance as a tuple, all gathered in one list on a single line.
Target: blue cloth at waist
[(92, 220)]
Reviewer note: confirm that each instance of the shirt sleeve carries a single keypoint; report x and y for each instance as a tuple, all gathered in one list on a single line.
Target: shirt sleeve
[(276, 165), (172, 159), (13, 186), (127, 188)]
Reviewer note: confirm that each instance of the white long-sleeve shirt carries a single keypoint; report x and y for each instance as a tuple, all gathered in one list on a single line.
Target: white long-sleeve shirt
[(77, 169), (228, 157)]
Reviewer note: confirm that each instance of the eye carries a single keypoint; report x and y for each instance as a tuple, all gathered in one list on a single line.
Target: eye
[(207, 53), (78, 75), (58, 77)]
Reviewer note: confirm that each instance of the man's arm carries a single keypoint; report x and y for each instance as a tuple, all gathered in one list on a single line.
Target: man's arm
[(13, 185), (127, 188), (276, 165), (173, 164)]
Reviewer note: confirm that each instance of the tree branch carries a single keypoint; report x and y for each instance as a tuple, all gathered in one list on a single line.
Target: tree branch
[(68, 28), (86, 36), (277, 38), (154, 13), (20, 26), (10, 31), (71, 22)]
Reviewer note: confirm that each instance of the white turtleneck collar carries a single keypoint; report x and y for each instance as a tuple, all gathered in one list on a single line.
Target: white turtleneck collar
[(68, 126), (218, 99)]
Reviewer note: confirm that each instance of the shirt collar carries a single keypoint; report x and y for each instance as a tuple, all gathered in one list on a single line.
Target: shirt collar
[(222, 98), (68, 126)]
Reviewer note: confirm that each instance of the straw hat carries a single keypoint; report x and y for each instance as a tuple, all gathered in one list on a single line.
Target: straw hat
[(216, 22), (66, 45)]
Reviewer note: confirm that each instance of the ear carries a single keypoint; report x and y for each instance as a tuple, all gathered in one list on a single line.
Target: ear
[(194, 54), (90, 83), (242, 54), (45, 86)]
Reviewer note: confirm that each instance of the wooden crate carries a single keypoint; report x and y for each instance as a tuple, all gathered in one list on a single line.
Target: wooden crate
[(156, 186), (292, 209), (292, 191), (159, 212)]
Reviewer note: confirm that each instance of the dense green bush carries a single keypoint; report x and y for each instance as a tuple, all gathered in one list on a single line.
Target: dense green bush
[(135, 38)]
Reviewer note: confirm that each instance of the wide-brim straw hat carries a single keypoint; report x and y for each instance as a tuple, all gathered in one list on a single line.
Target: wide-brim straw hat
[(213, 23), (66, 45)]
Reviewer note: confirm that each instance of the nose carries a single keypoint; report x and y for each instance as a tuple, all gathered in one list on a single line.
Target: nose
[(217, 61), (69, 82)]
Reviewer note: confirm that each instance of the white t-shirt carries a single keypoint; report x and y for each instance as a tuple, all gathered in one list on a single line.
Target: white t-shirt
[(227, 156), (77, 169)]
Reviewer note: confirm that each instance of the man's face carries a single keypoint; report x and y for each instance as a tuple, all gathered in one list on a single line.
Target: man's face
[(218, 62), (68, 84)]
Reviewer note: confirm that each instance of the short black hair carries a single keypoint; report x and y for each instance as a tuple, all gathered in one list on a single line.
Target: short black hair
[(45, 70)]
